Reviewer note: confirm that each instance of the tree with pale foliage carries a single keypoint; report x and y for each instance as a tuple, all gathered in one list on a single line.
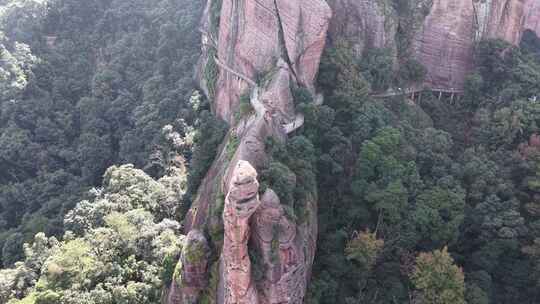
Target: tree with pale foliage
[(364, 249), (118, 249), (437, 280)]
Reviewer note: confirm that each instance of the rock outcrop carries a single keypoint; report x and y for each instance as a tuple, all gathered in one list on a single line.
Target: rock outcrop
[(190, 275), (260, 49), (240, 204), (283, 249), (260, 225), (444, 44), (532, 16)]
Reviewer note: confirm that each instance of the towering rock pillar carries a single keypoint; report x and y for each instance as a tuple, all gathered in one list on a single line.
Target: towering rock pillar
[(240, 204)]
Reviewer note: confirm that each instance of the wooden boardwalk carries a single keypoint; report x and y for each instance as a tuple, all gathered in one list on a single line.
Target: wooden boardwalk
[(409, 91), (413, 91)]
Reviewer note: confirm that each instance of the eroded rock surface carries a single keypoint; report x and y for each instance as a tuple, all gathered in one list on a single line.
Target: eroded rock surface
[(261, 225), (365, 23), (240, 204), (532, 16), (444, 44), (253, 35), (262, 49), (448, 29), (191, 272), (282, 251)]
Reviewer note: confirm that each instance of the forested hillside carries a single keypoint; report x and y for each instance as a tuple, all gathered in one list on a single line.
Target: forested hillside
[(85, 85), (431, 197), (397, 177)]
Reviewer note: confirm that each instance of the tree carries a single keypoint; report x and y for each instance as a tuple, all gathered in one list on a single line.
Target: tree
[(411, 72), (364, 249), (381, 173), (342, 73), (211, 131), (438, 213), (377, 68), (12, 249), (533, 251), (437, 279)]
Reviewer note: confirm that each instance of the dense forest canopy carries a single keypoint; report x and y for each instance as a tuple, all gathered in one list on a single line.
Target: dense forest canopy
[(85, 85), (438, 175), (103, 135)]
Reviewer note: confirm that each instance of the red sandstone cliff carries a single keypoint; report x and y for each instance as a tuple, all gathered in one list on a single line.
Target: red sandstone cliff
[(260, 48), (263, 47), (249, 42), (446, 32)]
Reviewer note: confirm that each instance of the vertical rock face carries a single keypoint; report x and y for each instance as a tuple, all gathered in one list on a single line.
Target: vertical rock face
[(248, 43), (260, 48), (253, 35), (365, 23), (304, 24), (260, 225), (283, 250), (444, 45), (506, 20), (532, 16), (444, 42)]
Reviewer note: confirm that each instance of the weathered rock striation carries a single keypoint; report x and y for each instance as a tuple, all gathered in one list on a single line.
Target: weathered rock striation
[(262, 49), (444, 44), (447, 30), (364, 23), (253, 35), (532, 16)]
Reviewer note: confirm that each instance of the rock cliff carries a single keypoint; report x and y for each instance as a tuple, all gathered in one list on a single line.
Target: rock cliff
[(259, 49), (253, 35), (364, 23), (444, 44), (443, 31), (191, 270)]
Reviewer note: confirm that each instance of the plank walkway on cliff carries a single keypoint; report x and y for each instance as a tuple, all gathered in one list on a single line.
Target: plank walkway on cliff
[(235, 73), (413, 91), (257, 105)]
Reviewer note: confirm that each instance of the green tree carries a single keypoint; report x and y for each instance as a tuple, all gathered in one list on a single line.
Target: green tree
[(438, 213)]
